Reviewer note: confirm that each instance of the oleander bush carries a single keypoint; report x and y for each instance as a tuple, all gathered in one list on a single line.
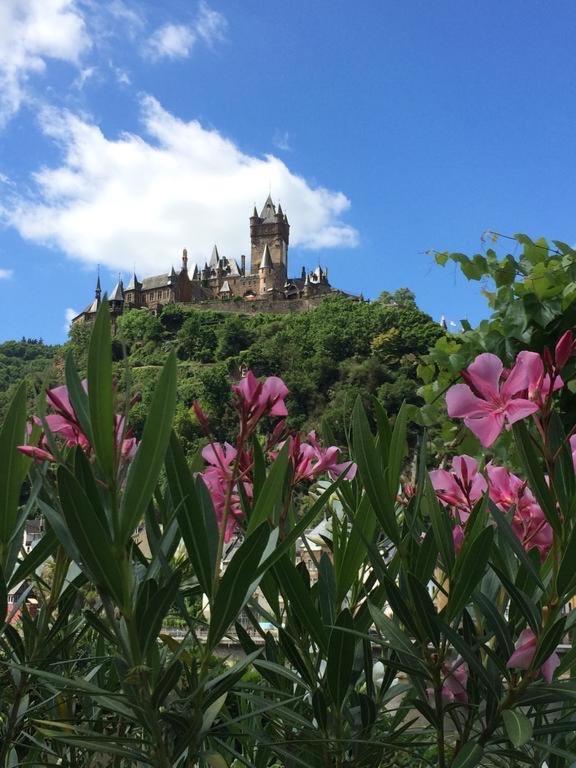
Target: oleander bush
[(277, 601)]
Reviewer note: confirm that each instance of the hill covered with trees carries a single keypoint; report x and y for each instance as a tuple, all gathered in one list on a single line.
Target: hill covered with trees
[(327, 357)]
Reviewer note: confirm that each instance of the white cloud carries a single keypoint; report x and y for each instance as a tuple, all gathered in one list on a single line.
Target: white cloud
[(210, 25), (69, 314), (141, 199), (6, 274), (171, 41), (176, 41), (282, 141), (31, 32)]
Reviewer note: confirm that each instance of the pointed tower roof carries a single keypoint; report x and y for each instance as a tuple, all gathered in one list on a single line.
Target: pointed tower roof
[(255, 213), (269, 210), (266, 260), (117, 292), (215, 258), (134, 285), (195, 273)]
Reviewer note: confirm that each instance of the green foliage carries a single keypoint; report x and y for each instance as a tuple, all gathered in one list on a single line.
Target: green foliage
[(138, 326), (344, 654), (532, 296)]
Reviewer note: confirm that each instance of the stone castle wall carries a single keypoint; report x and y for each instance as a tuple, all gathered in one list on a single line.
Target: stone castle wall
[(279, 306)]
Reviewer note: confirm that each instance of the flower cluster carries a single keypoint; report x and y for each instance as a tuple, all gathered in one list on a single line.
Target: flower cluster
[(228, 475), (62, 423), (493, 396), (462, 487)]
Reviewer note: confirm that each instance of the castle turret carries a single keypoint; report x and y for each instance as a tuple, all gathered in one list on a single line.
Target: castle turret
[(270, 228), (266, 270), (184, 260)]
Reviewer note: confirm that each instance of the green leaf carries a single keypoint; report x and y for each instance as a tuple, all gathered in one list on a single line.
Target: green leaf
[(397, 450), (341, 647), (469, 569), (100, 399), (548, 642), (145, 468), (37, 555), (78, 397), (13, 466), (535, 475), (425, 612), (363, 528), (90, 537), (513, 542), (237, 584), (270, 497), (150, 615), (190, 514), (372, 473), (518, 728), (566, 581), (469, 756), (297, 598), (3, 598), (440, 525), (397, 639)]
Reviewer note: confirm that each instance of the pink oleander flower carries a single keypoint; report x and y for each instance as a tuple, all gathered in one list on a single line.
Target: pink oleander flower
[(461, 488), (454, 684), (218, 478), (529, 523), (458, 537), (327, 460), (523, 656), (63, 423), (257, 399), (540, 383), (310, 459), (489, 398)]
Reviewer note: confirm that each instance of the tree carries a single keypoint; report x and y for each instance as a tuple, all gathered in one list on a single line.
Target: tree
[(138, 325)]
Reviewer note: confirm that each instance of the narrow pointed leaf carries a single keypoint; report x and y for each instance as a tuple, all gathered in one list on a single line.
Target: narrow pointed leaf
[(190, 514), (341, 649), (270, 497), (145, 468), (373, 473), (237, 584), (469, 569), (100, 397), (13, 465), (90, 537)]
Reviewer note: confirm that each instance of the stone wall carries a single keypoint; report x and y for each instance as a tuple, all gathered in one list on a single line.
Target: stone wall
[(280, 307)]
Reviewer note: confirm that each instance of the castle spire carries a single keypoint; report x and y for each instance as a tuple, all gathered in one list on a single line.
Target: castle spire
[(98, 291), (215, 258), (266, 261)]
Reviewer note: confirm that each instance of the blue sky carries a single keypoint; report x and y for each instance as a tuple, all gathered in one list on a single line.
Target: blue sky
[(129, 130)]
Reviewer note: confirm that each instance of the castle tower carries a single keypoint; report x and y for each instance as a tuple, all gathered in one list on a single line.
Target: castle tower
[(270, 229)]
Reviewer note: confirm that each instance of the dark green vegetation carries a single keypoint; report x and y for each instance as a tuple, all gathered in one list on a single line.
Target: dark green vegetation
[(28, 359), (327, 357)]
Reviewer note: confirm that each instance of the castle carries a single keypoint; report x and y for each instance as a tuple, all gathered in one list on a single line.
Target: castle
[(266, 287)]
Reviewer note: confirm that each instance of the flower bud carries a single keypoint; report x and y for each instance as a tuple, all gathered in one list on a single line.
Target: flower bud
[(564, 349)]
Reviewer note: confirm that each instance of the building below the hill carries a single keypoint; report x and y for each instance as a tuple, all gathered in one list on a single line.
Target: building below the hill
[(223, 283)]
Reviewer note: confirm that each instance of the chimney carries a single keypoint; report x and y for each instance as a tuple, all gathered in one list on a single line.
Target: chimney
[(243, 264)]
